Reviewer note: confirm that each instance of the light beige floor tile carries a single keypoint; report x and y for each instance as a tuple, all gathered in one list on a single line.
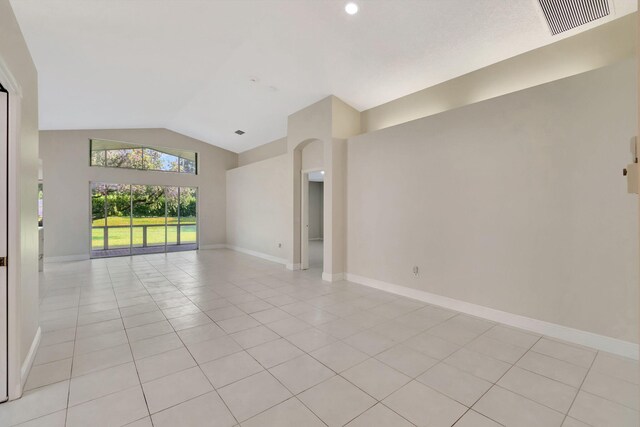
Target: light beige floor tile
[(617, 366), (270, 315), (100, 342), (572, 422), (340, 328), (580, 356), (275, 352), (424, 406), (454, 333), (406, 360), (97, 360), (288, 326), (553, 368), (432, 346), (513, 336), (481, 366), (311, 339), (148, 331), (160, 365), (548, 392), (190, 321), (101, 383), (48, 373), (254, 336), (455, 383), (155, 345), (207, 351), (336, 401), (254, 306), (379, 416), (238, 323), (175, 388), (130, 406), (611, 388), (290, 413), (497, 349), (205, 410), (301, 373), (57, 337), (53, 353), (35, 404), (229, 369), (143, 319), (599, 412), (376, 378), (339, 356), (99, 328), (511, 409), (200, 333), (474, 419), (369, 342), (252, 395), (396, 330), (57, 419)]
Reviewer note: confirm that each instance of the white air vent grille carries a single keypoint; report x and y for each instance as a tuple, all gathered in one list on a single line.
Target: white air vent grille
[(563, 15)]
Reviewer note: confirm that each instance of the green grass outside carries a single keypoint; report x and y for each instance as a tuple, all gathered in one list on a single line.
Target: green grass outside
[(120, 237), (124, 220)]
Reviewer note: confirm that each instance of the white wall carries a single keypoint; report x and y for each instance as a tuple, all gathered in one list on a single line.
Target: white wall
[(66, 189), (15, 54), (263, 152), (258, 201), (316, 206), (598, 47), (516, 203)]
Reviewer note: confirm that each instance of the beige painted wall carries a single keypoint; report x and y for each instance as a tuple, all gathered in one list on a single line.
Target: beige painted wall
[(66, 189), (516, 203), (263, 152), (313, 156), (316, 207), (601, 46), (15, 54), (258, 201)]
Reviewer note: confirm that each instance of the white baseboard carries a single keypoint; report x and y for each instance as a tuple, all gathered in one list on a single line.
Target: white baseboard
[(576, 336), (215, 246), (66, 258), (258, 254), (336, 277), (28, 361), (294, 267)]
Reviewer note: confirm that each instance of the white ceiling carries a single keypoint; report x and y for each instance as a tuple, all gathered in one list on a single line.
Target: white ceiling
[(186, 64)]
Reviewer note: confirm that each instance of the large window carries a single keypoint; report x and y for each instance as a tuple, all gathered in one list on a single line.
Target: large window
[(140, 219), (115, 154)]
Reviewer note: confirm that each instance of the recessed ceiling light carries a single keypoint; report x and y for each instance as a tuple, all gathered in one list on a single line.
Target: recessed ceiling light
[(351, 8), (240, 132)]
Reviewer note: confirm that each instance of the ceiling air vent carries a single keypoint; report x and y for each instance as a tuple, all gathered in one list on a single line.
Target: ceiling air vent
[(563, 15)]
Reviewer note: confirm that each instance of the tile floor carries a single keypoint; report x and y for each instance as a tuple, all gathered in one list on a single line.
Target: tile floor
[(218, 338)]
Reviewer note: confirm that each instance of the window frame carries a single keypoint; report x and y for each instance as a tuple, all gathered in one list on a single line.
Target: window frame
[(143, 148)]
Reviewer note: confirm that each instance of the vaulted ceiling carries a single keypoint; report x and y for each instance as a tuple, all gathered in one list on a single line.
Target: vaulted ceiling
[(206, 68)]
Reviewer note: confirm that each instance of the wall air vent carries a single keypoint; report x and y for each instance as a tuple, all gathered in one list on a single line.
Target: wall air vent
[(563, 15)]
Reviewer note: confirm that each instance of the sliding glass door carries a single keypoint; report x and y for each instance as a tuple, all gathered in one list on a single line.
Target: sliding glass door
[(142, 219)]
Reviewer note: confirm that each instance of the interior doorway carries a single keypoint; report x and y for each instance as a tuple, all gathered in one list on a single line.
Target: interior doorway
[(312, 244)]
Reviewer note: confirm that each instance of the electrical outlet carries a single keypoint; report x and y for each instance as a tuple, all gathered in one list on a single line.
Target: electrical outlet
[(416, 271)]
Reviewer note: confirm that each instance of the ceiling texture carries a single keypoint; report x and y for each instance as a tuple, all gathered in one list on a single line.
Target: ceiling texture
[(206, 68)]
